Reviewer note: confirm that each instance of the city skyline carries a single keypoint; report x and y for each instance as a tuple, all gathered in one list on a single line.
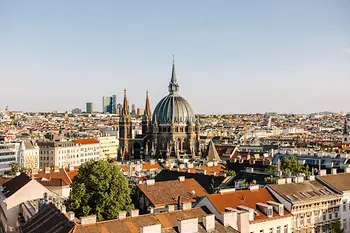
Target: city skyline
[(230, 58)]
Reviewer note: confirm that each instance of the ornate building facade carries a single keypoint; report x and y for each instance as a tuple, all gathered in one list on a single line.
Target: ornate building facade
[(171, 131)]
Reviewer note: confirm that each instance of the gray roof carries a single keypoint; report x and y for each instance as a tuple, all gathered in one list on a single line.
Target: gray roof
[(173, 108)]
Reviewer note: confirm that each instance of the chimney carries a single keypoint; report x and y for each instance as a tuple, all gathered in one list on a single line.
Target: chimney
[(229, 219), (288, 180), (34, 171), (71, 168), (188, 225), (187, 206), (150, 182), (56, 169), (253, 187), (243, 222), (323, 172), (122, 215), (215, 163), (181, 178), (209, 222), (210, 163), (171, 208), (311, 178), (156, 228), (278, 207), (71, 216), (63, 209), (134, 213), (190, 165), (181, 166), (347, 170), (230, 190), (150, 210), (152, 161), (281, 181), (250, 210), (47, 170), (88, 220), (334, 171)]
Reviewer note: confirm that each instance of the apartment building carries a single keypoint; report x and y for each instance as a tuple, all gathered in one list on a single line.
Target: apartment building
[(29, 154), (108, 147), (313, 205), (264, 214), (68, 153), (9, 153), (340, 183)]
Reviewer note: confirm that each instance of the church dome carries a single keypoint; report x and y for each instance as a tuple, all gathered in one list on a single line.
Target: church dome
[(173, 108)]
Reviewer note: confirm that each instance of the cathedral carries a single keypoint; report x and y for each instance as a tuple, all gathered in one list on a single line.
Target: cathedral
[(171, 131)]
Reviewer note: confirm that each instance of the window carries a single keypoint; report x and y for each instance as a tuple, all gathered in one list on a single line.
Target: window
[(285, 229), (271, 230), (324, 217), (261, 231), (301, 220), (308, 219), (330, 215), (295, 221), (278, 229), (345, 224), (344, 205)]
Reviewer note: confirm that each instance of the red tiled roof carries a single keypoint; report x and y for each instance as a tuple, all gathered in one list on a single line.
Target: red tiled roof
[(59, 178), (167, 192), (86, 141), (245, 198)]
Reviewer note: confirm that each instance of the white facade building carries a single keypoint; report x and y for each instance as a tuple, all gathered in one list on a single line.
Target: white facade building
[(29, 154), (9, 153), (108, 147)]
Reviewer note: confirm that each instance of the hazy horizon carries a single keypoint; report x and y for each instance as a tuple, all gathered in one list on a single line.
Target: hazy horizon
[(230, 57)]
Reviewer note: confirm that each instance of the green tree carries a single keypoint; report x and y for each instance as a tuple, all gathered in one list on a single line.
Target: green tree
[(99, 188), (336, 227), (269, 180), (15, 167), (290, 165), (231, 173)]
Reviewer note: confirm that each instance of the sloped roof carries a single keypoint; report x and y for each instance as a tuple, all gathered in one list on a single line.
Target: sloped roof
[(60, 178), (168, 221), (212, 152), (86, 141), (167, 192), (48, 219), (245, 198), (15, 184), (340, 181), (208, 182)]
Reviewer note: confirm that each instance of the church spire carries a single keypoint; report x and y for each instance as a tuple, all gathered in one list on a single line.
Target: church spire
[(345, 131), (148, 106), (173, 85), (125, 110)]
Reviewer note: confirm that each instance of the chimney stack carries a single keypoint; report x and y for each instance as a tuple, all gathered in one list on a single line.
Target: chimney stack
[(188, 225), (71, 216), (334, 171), (156, 228), (47, 170), (134, 213), (88, 220), (181, 178), (209, 222), (122, 215)]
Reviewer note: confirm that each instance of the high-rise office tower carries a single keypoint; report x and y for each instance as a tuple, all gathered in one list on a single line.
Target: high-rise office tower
[(106, 104), (133, 109), (119, 109), (114, 104), (89, 107)]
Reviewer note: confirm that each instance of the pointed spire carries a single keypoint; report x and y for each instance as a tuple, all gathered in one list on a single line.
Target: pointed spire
[(212, 153), (148, 106), (173, 85), (125, 110), (345, 131)]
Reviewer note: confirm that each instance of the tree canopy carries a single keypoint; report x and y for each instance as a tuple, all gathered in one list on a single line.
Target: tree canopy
[(336, 227), (99, 188), (291, 165)]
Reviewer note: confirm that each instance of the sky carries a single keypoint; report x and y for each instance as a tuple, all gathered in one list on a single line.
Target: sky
[(230, 56)]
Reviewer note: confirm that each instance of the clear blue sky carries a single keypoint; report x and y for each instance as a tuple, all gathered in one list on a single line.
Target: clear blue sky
[(231, 56)]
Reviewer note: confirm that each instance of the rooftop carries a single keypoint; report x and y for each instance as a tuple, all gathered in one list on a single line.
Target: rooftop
[(340, 181), (167, 192)]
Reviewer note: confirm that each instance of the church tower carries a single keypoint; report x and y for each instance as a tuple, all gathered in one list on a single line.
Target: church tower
[(147, 117), (125, 129)]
